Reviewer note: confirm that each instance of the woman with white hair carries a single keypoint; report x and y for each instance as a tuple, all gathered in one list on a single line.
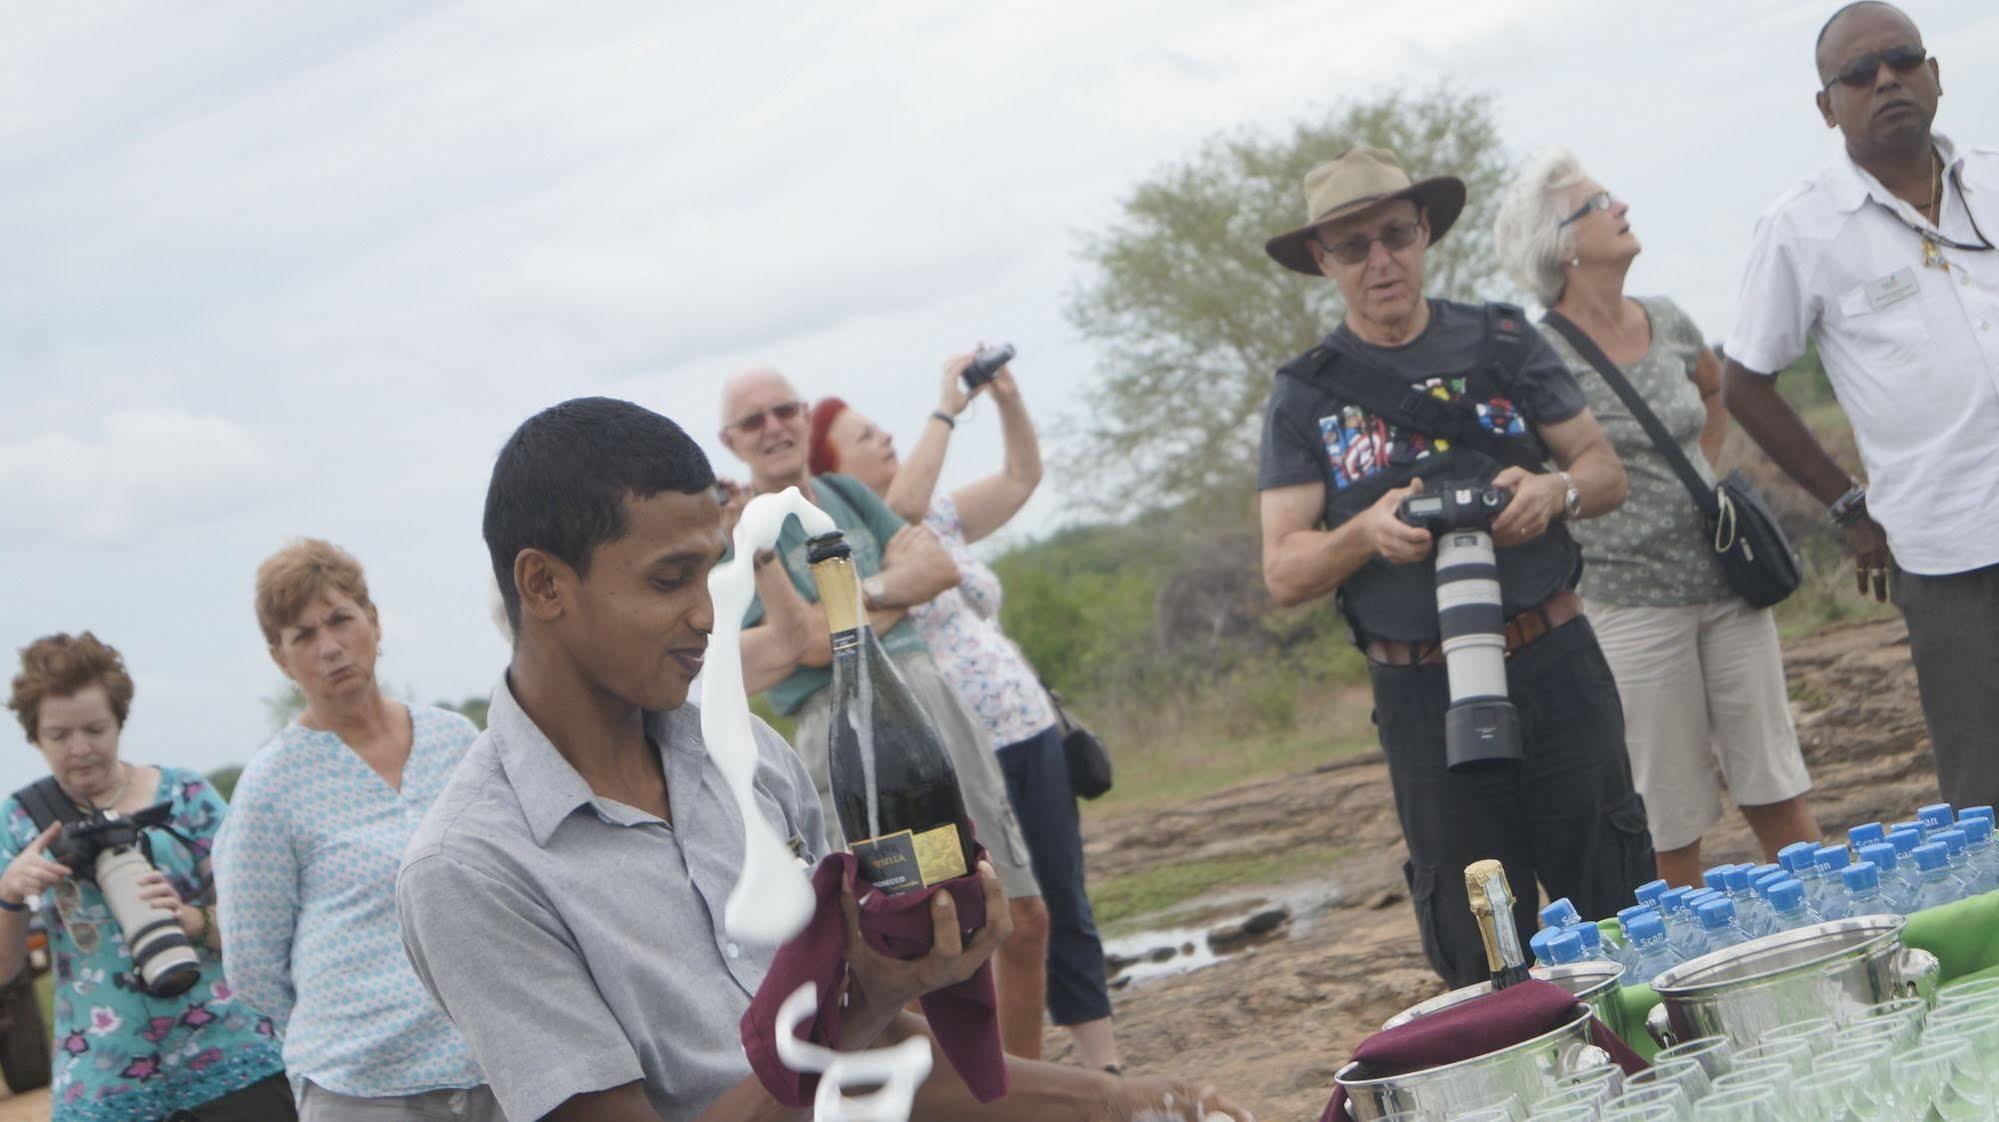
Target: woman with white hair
[(1699, 671)]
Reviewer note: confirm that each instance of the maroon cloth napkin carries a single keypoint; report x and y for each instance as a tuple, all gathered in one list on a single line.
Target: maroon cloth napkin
[(964, 1018), (1483, 1024)]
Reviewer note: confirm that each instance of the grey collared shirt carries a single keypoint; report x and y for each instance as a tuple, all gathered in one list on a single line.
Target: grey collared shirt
[(577, 942)]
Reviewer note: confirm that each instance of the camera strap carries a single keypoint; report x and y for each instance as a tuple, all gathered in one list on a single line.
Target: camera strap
[(47, 804)]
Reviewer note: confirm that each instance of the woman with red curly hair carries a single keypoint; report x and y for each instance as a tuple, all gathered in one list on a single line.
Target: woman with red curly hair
[(123, 1055)]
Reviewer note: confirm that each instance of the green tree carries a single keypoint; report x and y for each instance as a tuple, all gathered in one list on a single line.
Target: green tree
[(1190, 318), (472, 709), (284, 703), (223, 779)]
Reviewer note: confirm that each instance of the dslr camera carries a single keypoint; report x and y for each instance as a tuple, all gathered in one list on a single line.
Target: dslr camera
[(1482, 729), (110, 850)]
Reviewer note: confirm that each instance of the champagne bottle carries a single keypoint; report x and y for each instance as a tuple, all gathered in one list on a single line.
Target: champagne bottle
[(894, 789), (1492, 905)]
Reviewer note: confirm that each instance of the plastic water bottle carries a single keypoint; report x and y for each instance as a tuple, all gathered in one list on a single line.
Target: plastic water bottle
[(1898, 880), (1984, 853), (1564, 947), (1654, 956), (1788, 909), (1831, 859), (1750, 914), (1718, 924), (1934, 817), (1761, 871), (1939, 886), (1764, 883), (1683, 932), (1716, 878), (1863, 890), (1867, 833), (1595, 949), (1537, 945), (1984, 812), (1800, 859), (1650, 891), (1957, 847), (1560, 913), (1921, 830)]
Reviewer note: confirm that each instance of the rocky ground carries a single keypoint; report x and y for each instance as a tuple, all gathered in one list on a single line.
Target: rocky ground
[(1271, 1023)]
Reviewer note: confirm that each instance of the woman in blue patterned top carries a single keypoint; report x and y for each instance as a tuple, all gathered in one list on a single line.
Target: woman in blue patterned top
[(122, 1055), (307, 864)]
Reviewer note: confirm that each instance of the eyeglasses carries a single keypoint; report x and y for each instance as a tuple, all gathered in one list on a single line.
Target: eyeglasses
[(1394, 237), (1602, 200), (755, 421), (1859, 73)]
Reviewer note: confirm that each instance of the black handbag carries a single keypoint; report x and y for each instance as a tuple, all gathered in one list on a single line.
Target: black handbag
[(1089, 761), (1756, 558)]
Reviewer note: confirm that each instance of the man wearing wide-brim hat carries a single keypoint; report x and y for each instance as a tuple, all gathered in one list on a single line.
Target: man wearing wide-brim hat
[(1406, 395)]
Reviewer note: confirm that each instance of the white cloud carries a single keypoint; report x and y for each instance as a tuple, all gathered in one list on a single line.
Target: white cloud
[(140, 469)]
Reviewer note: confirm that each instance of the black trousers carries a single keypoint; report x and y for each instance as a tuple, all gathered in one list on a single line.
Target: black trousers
[(267, 1100), (1567, 817), (1037, 780)]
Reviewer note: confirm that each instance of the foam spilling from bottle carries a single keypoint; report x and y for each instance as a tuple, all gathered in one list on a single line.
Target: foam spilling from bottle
[(771, 901)]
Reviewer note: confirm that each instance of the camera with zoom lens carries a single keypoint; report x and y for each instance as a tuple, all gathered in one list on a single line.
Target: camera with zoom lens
[(111, 851), (986, 364), (1482, 729)]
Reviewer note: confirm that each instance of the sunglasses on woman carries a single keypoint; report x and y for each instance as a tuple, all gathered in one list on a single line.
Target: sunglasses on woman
[(755, 421), (1859, 73), (1394, 237), (1602, 200)]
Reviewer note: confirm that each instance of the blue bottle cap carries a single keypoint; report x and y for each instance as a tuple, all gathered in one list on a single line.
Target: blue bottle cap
[(1590, 934), (1787, 894), (1625, 915), (1952, 839), (1799, 857), (1537, 943), (1646, 927), (1867, 833), (1763, 870), (1673, 900), (1716, 913), (1881, 855), (1650, 891), (1984, 812), (1764, 882), (1905, 838), (1565, 946), (1717, 877), (1979, 830), (1935, 815), (1736, 879), (1560, 913), (1831, 857), (1931, 855), (1862, 877), (1919, 827)]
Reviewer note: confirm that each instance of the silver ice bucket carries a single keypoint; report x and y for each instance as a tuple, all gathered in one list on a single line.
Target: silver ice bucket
[(1528, 1069), (1595, 984), (1825, 970)]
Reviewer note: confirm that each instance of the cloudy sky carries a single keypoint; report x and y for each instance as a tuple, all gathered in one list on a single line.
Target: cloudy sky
[(275, 270)]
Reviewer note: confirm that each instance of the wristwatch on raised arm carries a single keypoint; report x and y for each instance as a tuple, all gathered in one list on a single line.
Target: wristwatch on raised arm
[(1850, 507), (1572, 502)]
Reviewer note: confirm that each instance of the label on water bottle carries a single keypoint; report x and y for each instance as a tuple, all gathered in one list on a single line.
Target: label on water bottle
[(906, 861)]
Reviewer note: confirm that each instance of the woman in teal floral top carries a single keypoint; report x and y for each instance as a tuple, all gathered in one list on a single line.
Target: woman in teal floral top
[(121, 1055)]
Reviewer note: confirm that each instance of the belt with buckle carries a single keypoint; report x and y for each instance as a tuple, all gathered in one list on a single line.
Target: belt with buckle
[(1521, 630)]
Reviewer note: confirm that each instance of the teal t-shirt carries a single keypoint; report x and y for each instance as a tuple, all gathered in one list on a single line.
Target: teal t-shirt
[(869, 524)]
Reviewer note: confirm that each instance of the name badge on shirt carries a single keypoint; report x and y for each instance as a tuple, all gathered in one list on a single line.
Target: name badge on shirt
[(1888, 291)]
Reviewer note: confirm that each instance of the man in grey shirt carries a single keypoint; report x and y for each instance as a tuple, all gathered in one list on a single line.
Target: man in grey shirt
[(563, 898)]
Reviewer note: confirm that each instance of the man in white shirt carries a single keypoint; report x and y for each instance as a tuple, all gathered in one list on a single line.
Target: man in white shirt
[(1882, 259)]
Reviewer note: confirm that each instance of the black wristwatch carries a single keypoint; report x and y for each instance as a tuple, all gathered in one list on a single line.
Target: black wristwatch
[(1850, 507)]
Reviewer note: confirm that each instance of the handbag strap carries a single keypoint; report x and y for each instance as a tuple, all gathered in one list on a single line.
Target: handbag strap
[(1585, 346)]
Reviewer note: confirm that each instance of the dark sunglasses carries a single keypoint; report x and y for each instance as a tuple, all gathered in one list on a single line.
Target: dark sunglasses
[(755, 421), (1394, 237), (1602, 200), (1859, 73)]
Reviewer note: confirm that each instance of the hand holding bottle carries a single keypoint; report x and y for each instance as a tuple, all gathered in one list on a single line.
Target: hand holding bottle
[(882, 985)]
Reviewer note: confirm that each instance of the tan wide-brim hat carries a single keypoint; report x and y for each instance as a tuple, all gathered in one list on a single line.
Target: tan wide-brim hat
[(1352, 181)]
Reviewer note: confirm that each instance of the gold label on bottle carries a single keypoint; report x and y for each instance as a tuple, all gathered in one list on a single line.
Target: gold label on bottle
[(906, 861)]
